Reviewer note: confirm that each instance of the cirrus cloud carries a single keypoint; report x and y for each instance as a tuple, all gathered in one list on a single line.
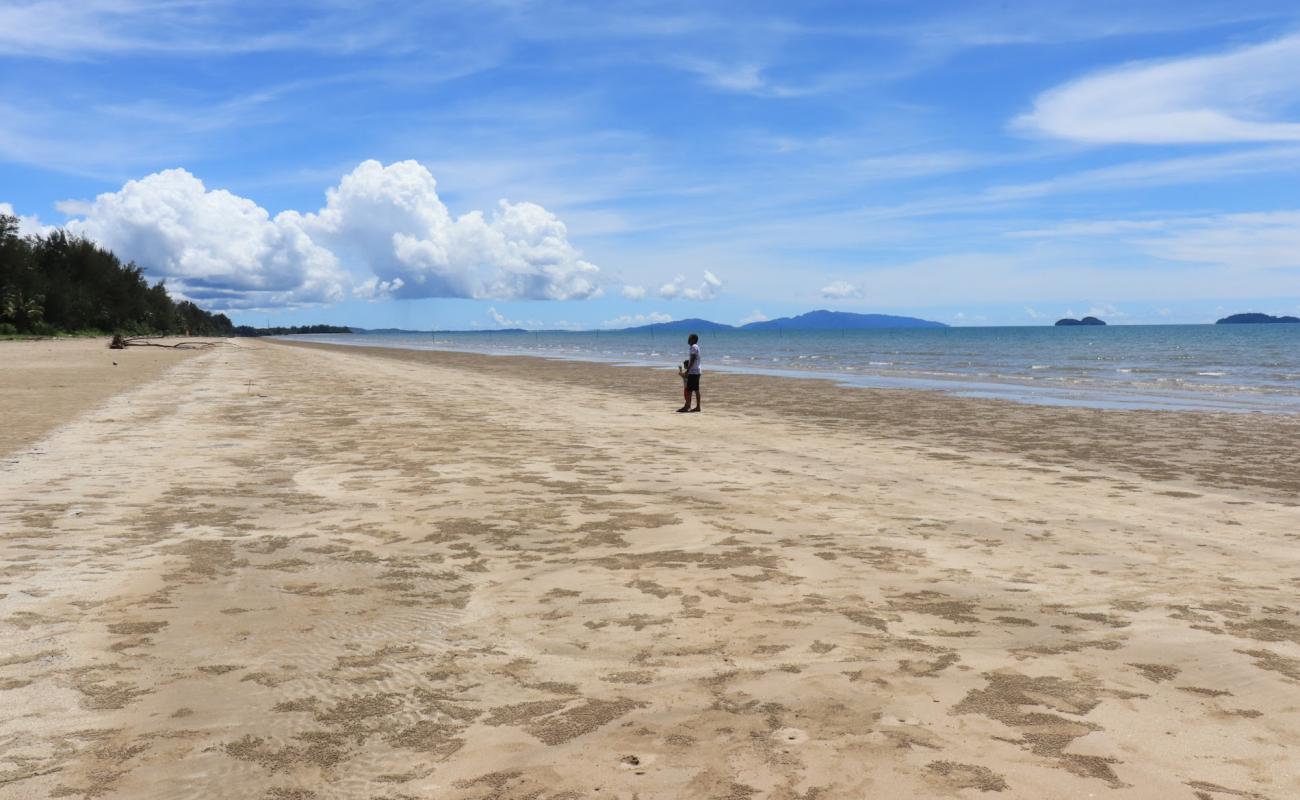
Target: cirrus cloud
[(1226, 97)]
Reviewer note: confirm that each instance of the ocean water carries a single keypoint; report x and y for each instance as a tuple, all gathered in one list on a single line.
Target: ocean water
[(1194, 367)]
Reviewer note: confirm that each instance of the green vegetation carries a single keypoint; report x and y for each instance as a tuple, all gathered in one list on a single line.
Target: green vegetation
[(245, 330), (59, 284)]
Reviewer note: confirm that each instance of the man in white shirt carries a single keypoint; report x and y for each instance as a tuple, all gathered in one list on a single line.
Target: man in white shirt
[(692, 375)]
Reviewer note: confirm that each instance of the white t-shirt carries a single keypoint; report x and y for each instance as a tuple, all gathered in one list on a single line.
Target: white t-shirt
[(695, 365)]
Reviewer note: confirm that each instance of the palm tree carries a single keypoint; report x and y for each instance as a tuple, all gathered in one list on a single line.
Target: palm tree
[(22, 309)]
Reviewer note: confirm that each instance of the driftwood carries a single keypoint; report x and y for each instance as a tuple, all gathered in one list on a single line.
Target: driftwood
[(121, 342)]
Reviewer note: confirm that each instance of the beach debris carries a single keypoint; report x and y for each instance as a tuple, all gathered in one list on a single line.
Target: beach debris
[(121, 342)]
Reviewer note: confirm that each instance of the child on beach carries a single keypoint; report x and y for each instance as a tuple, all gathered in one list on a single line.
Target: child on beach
[(681, 373)]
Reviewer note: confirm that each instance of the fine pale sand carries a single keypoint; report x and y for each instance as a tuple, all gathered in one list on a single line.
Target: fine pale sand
[(46, 382), (290, 572)]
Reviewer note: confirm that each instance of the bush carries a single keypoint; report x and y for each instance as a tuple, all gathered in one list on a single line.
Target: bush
[(8, 329)]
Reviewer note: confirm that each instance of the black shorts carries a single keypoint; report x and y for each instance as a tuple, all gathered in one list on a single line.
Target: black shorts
[(693, 383)]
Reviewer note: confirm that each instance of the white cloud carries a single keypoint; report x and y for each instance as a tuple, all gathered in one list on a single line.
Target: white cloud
[(385, 223), (502, 321), (1253, 241), (677, 288), (1105, 310), (1268, 240), (212, 246), (633, 320), (633, 292), (747, 77), (27, 226), (1104, 227), (1033, 313), (913, 165), (753, 316), (391, 220), (1227, 97), (838, 290), (375, 290)]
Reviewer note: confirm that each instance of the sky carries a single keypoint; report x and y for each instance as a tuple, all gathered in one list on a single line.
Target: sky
[(586, 165)]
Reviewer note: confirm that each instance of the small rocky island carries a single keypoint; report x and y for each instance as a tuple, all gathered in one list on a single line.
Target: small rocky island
[(1084, 321), (1252, 319)]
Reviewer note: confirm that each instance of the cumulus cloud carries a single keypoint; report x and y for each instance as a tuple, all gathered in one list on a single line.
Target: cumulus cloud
[(839, 290), (632, 320), (1227, 97), (753, 316), (633, 292), (375, 290), (501, 320), (391, 220), (383, 231), (707, 289), (211, 245), (27, 226)]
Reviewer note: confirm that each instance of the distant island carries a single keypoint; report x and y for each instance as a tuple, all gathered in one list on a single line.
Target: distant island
[(1085, 321), (1254, 319)]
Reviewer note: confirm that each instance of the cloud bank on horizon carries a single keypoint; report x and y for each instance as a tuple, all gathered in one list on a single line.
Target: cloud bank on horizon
[(957, 159), (382, 233)]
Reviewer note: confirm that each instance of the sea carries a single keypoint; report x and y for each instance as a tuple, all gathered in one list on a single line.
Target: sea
[(1229, 368)]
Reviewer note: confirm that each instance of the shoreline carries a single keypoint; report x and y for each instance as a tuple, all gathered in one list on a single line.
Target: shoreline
[(1137, 441), (1092, 391), (291, 571)]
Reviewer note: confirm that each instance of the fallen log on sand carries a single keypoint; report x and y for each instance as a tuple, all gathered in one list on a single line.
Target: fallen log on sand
[(121, 342)]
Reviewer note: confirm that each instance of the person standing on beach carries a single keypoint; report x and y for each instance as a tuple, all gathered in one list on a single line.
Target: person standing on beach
[(692, 375)]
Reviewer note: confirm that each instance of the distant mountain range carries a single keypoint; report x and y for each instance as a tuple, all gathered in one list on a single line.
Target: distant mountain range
[(812, 321), (839, 321)]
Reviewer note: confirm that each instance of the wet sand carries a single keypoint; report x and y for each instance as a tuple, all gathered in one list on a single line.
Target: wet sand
[(305, 572)]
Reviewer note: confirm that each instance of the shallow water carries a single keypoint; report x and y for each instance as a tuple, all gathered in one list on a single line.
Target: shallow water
[(1192, 367)]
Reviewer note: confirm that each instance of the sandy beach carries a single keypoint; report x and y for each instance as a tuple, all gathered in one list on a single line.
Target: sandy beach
[(288, 571)]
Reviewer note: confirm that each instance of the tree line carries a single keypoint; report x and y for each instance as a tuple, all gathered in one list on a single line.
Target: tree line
[(283, 330), (61, 283)]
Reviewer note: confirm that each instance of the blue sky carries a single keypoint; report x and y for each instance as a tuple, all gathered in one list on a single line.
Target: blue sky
[(976, 163)]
